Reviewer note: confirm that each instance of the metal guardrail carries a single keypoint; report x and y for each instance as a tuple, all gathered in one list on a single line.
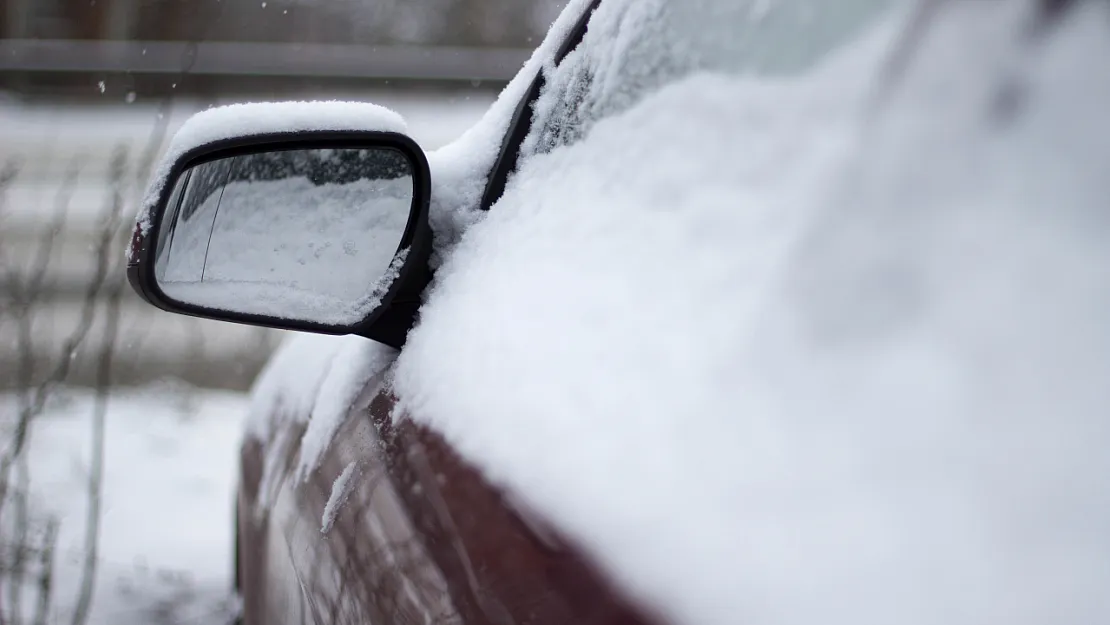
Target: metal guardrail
[(218, 58)]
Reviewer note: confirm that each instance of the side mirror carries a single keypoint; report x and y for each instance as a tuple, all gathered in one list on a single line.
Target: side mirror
[(318, 231)]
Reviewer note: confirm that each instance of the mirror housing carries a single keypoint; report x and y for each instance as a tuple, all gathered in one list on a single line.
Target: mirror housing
[(394, 299)]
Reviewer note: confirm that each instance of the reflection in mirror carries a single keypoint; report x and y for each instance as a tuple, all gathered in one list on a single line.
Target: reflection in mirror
[(310, 235)]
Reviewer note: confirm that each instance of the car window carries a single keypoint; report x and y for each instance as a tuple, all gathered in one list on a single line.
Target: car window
[(521, 123), (633, 48)]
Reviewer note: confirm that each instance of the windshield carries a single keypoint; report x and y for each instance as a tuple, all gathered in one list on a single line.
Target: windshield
[(635, 47)]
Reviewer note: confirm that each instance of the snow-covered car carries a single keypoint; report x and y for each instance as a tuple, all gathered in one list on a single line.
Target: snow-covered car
[(727, 311)]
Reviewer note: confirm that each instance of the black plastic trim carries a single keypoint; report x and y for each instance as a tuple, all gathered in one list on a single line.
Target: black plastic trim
[(521, 123)]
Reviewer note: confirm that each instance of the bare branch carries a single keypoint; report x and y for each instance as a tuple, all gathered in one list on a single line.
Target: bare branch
[(100, 410), (32, 289), (103, 264), (46, 573), (8, 173), (32, 396), (26, 551), (20, 540)]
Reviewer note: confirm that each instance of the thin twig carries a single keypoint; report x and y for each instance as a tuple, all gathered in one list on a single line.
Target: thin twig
[(33, 287), (20, 540), (100, 410), (46, 573), (7, 174), (32, 402)]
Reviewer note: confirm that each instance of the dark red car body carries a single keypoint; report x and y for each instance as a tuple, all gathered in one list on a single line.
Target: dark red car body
[(421, 537)]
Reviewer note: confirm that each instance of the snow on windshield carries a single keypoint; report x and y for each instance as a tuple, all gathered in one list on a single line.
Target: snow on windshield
[(777, 351), (633, 48), (461, 168)]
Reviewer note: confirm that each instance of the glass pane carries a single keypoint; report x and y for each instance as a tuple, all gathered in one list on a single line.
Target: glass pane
[(299, 234)]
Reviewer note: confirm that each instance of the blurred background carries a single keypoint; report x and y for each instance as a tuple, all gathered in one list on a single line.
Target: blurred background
[(107, 404), (81, 80)]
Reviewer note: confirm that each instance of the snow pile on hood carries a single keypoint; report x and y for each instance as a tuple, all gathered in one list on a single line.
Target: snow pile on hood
[(241, 120), (772, 355)]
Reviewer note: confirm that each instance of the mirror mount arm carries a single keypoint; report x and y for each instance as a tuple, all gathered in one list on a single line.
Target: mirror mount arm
[(399, 315)]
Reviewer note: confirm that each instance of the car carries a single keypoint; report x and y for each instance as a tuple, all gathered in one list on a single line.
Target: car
[(725, 312)]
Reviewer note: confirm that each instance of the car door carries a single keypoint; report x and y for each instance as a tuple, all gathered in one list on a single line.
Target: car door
[(393, 525)]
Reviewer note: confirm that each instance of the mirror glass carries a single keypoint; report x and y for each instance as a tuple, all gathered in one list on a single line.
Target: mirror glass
[(307, 234)]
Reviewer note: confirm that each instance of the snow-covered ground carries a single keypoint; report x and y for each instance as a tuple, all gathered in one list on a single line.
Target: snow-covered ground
[(169, 482)]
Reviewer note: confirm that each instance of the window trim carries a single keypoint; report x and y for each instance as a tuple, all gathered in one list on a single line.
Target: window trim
[(521, 123)]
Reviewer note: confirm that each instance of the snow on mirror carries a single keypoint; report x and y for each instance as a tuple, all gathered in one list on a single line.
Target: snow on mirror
[(308, 235)]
